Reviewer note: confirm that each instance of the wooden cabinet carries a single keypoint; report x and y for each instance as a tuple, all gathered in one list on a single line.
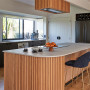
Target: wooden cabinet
[(60, 5)]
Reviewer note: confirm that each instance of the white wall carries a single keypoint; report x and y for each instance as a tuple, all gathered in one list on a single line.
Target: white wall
[(60, 27), (63, 25)]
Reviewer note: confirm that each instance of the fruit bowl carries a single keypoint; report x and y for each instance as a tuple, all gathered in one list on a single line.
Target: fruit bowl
[(51, 45)]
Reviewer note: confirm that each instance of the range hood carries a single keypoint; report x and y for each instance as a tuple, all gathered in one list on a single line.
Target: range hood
[(53, 6), (52, 10)]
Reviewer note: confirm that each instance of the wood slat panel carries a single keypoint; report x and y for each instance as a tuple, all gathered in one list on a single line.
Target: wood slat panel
[(67, 7), (32, 73), (54, 4), (64, 6)]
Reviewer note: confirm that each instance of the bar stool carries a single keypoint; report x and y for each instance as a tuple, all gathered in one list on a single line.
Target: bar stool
[(81, 63)]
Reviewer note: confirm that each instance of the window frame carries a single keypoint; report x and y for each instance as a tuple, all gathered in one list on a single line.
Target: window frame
[(34, 22), (19, 30)]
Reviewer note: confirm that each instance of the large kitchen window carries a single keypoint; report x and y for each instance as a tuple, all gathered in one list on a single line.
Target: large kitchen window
[(17, 28), (12, 28)]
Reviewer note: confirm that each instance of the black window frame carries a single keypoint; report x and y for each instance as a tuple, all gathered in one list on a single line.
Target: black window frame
[(19, 29)]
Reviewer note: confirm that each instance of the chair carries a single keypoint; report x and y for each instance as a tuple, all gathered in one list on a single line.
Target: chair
[(82, 63)]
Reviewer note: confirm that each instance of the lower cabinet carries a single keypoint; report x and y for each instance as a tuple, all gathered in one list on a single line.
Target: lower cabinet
[(6, 46), (14, 45)]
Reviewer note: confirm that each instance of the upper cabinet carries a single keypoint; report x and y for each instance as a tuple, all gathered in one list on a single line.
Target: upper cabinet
[(53, 6)]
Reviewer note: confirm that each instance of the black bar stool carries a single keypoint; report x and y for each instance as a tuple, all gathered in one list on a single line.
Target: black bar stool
[(81, 63)]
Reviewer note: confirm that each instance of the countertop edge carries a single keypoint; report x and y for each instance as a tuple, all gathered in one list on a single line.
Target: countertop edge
[(45, 56)]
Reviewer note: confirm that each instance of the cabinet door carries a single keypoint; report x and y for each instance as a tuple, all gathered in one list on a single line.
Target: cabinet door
[(6, 46), (80, 31), (12, 46), (87, 30)]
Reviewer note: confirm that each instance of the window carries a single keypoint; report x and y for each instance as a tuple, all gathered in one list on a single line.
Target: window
[(15, 28), (39, 27), (28, 29), (4, 28), (31, 26), (12, 28)]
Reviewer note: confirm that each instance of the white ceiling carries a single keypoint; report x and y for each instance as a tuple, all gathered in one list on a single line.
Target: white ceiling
[(30, 2), (81, 3)]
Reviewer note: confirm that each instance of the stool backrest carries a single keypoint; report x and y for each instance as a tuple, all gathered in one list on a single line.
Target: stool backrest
[(82, 61)]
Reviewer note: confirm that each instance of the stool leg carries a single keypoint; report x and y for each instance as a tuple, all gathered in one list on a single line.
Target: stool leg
[(77, 75), (72, 75), (65, 78), (82, 79), (88, 75)]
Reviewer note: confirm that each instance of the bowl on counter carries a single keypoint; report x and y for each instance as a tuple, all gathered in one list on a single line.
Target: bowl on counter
[(51, 45)]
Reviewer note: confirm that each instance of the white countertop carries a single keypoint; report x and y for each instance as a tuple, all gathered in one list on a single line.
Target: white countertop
[(68, 48)]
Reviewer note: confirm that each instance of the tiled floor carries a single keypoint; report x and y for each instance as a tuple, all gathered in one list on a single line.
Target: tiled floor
[(1, 78), (76, 86)]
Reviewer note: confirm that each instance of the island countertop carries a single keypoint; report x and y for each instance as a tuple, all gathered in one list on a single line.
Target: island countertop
[(60, 51)]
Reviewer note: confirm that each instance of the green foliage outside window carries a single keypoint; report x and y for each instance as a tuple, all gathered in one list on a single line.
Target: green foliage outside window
[(4, 28), (10, 28)]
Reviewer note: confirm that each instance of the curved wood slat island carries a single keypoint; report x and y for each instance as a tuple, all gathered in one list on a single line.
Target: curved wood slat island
[(40, 71)]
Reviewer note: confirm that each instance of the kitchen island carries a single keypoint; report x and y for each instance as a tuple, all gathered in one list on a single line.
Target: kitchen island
[(40, 71)]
